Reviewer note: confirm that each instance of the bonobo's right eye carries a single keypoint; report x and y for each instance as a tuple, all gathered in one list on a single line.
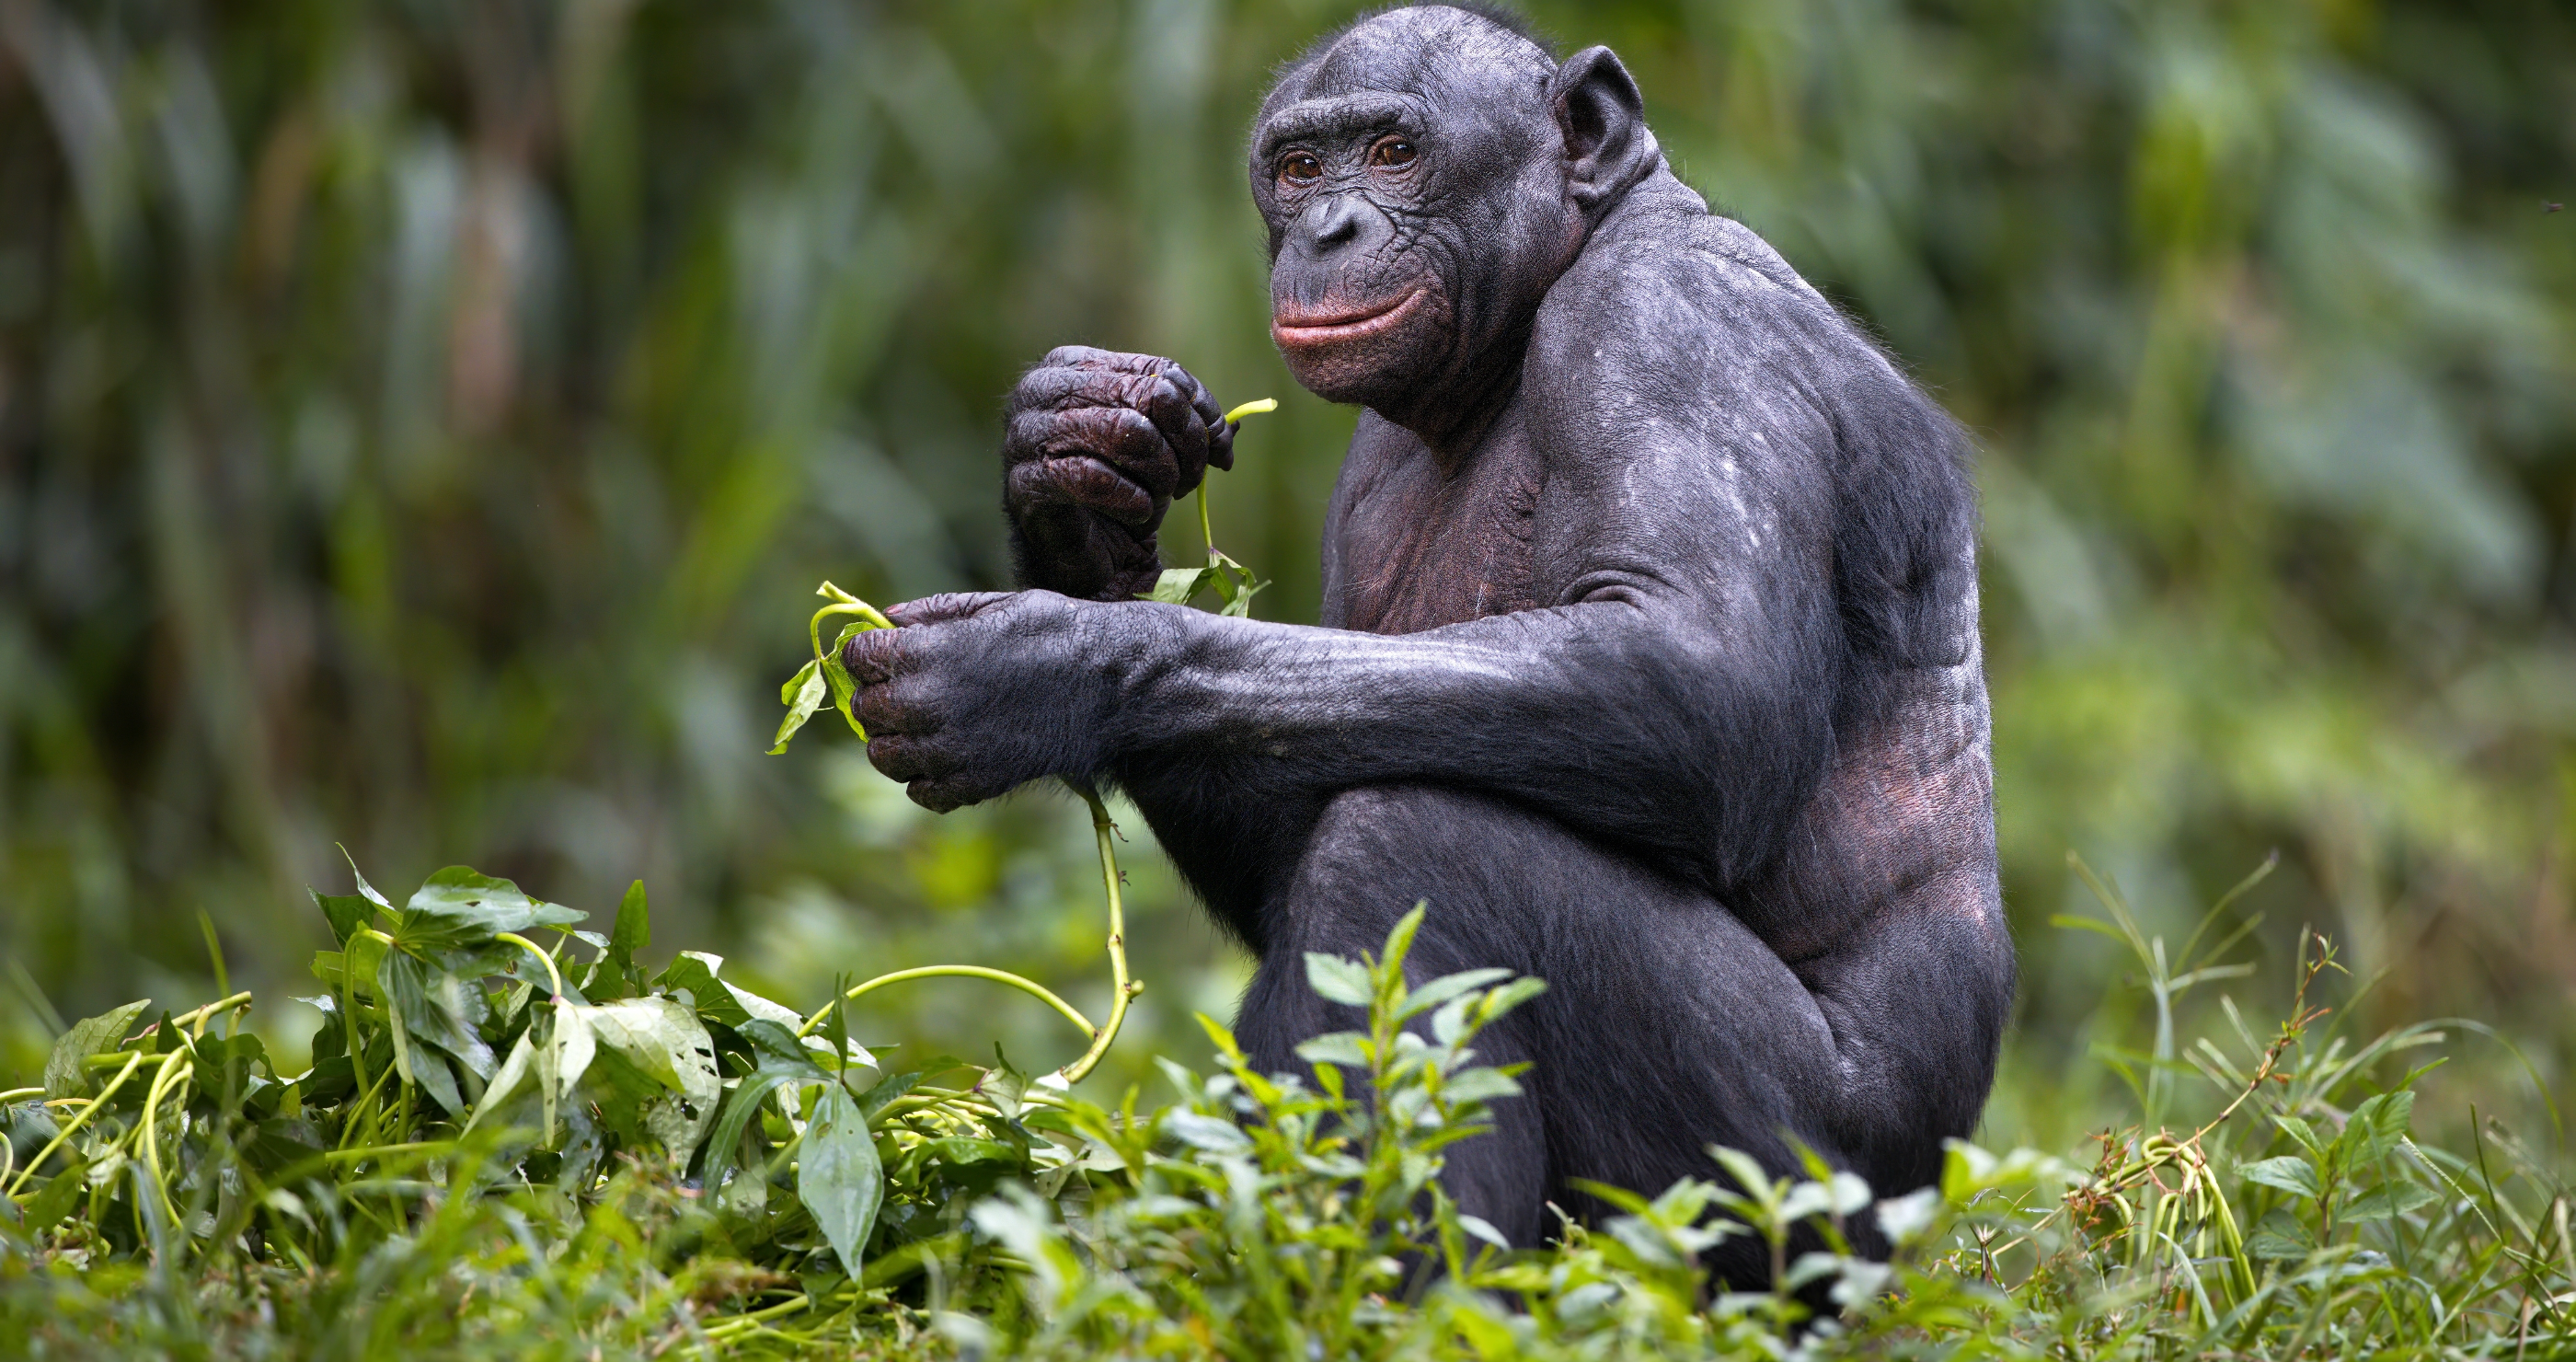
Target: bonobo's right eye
[(1300, 168)]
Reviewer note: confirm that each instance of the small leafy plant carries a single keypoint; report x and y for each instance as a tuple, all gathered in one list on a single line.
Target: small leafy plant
[(170, 1194)]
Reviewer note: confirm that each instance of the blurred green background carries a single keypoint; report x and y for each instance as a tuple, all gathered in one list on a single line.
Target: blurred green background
[(421, 425)]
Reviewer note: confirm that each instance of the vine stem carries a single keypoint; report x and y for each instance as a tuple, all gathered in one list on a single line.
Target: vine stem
[(96, 1105), (1123, 990), (553, 975), (1000, 976), (163, 1084)]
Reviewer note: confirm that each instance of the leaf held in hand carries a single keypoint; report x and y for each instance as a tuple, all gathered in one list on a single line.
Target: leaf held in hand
[(803, 694)]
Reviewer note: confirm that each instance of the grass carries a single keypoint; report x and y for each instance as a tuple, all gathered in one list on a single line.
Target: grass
[(511, 1149)]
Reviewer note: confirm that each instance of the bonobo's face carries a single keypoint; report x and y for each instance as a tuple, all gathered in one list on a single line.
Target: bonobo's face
[(1412, 175)]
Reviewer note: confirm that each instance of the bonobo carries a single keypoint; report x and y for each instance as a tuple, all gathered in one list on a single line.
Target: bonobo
[(1649, 654)]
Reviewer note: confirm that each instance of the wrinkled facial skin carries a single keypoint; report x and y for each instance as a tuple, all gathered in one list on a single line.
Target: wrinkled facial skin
[(1412, 179)]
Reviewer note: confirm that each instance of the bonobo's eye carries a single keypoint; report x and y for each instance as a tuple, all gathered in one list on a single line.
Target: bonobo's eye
[(1393, 153), (1300, 168)]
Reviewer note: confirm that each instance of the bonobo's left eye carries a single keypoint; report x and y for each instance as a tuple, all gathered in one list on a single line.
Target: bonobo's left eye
[(1393, 153)]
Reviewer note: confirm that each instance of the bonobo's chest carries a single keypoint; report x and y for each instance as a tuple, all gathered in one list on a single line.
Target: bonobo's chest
[(1411, 546)]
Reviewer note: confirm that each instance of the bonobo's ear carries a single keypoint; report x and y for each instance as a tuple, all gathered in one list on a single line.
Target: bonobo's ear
[(1607, 147)]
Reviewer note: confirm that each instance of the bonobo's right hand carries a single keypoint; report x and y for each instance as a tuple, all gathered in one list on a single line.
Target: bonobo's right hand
[(1096, 447)]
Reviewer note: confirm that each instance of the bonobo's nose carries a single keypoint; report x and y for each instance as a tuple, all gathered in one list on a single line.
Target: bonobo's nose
[(1332, 222)]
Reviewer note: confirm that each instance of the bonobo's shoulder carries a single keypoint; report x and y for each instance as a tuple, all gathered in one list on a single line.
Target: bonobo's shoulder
[(1663, 251), (1667, 296)]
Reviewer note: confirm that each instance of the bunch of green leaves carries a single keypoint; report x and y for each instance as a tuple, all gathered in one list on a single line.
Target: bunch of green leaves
[(458, 1060), (824, 675)]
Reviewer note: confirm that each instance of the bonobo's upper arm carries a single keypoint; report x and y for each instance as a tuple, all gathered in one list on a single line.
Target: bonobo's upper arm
[(1692, 466)]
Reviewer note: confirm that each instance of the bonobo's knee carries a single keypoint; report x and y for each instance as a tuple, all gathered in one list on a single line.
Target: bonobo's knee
[(1482, 865)]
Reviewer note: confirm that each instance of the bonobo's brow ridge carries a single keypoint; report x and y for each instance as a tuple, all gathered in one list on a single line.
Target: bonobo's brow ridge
[(1340, 116)]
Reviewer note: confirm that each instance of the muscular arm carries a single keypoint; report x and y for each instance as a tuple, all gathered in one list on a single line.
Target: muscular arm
[(1630, 717), (1677, 701)]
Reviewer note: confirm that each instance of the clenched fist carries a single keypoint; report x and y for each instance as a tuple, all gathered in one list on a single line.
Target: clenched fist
[(1096, 447)]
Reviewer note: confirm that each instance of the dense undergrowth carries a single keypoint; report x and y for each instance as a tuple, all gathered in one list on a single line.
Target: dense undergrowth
[(507, 1148)]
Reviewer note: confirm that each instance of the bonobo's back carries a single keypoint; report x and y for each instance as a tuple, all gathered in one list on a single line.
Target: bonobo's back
[(1887, 851)]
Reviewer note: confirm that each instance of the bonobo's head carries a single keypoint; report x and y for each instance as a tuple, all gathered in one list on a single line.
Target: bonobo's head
[(1426, 175)]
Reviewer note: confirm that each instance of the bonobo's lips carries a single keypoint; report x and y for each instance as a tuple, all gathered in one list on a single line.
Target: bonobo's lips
[(1300, 331)]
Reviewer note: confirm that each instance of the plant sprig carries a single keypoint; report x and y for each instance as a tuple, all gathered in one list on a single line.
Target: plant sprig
[(1235, 584)]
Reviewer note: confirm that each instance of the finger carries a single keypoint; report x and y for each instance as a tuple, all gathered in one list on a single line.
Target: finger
[(944, 794), (1092, 357), (1084, 482), (944, 607), (1067, 388), (1209, 416), (1220, 447), (905, 758), (1121, 437), (890, 705), (872, 656)]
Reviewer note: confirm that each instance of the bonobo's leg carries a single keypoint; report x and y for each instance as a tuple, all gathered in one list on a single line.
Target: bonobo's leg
[(1666, 1027)]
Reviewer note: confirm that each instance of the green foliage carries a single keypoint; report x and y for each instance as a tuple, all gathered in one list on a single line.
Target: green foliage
[(805, 1206)]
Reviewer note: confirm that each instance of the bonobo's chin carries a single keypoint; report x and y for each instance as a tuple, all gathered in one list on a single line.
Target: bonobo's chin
[(1355, 353)]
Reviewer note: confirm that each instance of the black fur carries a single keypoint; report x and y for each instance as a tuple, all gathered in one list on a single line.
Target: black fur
[(1649, 655)]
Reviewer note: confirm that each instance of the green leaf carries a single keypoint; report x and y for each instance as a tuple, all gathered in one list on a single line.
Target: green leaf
[(663, 1039), (436, 1006), (1480, 1085), (2374, 1128), (1399, 939), (1003, 1085), (742, 1107), (462, 907), (346, 912), (1509, 996), (1444, 988), (876, 1098), (2289, 1173), (803, 694), (1177, 585), (838, 1176), (634, 931), (506, 1083), (1207, 1132), (2272, 1245), (1349, 1049), (2388, 1200), (838, 677), (57, 1199), (2299, 1130), (67, 1068), (1338, 980)]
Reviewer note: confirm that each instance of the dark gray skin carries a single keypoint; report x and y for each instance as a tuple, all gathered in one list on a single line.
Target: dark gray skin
[(1649, 654)]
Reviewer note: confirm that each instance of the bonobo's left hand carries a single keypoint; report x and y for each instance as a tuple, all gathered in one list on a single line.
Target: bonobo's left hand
[(971, 695)]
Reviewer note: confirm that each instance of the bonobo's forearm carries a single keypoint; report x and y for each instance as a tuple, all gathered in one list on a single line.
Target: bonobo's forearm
[(1617, 719)]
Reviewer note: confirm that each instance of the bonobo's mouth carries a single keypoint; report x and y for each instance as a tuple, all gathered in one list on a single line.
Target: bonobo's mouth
[(1300, 330)]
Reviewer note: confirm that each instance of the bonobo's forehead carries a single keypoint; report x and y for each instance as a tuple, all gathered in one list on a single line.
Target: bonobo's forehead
[(1419, 61)]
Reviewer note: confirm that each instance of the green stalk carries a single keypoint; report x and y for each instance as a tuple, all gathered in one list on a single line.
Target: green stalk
[(553, 976), (1028, 986), (1122, 989), (96, 1104)]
